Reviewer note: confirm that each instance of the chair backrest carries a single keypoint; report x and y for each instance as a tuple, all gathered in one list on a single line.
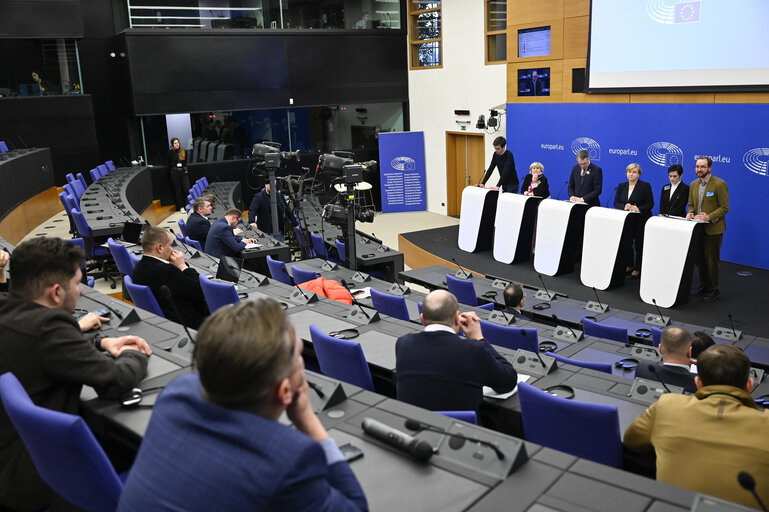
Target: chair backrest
[(341, 359), (392, 305), (656, 336), (510, 337), (63, 197), (463, 290), (110, 165), (319, 246), (122, 257), (593, 429), (204, 182), (302, 276), (143, 297), (608, 332), (82, 181), (601, 367), (341, 249), (193, 243), (94, 174), (70, 177), (307, 247), (64, 450), (182, 226), (3, 147), (81, 243), (218, 294), (103, 171), (83, 228), (78, 188), (467, 416), (278, 271)]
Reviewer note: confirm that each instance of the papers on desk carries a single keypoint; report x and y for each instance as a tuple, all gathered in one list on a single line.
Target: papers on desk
[(487, 391), (252, 246), (361, 293)]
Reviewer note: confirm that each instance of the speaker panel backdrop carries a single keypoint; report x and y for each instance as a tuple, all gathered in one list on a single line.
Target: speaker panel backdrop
[(655, 136)]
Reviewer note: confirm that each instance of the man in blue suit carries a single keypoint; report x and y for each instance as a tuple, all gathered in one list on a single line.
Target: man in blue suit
[(438, 370), (586, 180), (198, 225), (222, 240), (214, 441)]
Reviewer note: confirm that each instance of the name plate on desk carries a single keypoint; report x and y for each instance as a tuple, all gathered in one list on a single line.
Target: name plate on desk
[(529, 364), (649, 391)]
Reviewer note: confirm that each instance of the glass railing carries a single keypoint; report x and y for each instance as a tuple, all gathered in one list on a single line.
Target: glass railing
[(47, 67), (266, 14)]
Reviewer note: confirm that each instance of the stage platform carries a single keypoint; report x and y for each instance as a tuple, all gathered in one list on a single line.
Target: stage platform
[(746, 298)]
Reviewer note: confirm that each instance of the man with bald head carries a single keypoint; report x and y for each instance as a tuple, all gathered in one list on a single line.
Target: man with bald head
[(676, 351), (438, 370)]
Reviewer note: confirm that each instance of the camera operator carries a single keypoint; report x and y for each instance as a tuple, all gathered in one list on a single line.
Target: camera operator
[(260, 211)]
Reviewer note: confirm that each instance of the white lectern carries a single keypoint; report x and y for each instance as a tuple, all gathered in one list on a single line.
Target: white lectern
[(475, 218), (668, 258), (559, 232), (606, 234), (514, 227)]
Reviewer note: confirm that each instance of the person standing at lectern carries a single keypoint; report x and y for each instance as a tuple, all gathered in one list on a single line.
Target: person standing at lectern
[(635, 196), (504, 162), (708, 202), (535, 183), (586, 180), (674, 196), (176, 160)]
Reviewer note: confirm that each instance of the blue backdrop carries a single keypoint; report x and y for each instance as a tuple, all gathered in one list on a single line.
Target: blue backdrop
[(736, 137), (402, 171)]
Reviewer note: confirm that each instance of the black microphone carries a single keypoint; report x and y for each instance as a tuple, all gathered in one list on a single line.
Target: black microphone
[(557, 321), (297, 287), (731, 322), (356, 302), (536, 352), (283, 268), (662, 320), (382, 247), (653, 369), (166, 292), (468, 275), (181, 242), (316, 388), (609, 198), (562, 187), (596, 298), (117, 313), (419, 426), (748, 483), (417, 448), (544, 286)]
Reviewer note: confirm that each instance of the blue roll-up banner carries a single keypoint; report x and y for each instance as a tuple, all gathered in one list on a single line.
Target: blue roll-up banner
[(735, 136), (402, 171)]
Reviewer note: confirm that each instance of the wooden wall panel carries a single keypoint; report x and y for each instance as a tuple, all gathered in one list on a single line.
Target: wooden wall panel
[(556, 41), (528, 11), (704, 97), (574, 8), (742, 97), (575, 32)]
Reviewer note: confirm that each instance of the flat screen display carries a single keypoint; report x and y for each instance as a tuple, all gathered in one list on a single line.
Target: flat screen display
[(534, 82), (534, 42)]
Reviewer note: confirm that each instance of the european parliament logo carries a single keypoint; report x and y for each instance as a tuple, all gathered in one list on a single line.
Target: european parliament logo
[(665, 154), (592, 147), (671, 12), (403, 163), (757, 161)]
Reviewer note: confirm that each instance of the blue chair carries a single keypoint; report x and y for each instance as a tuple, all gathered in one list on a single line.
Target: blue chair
[(193, 243), (70, 177), (308, 246), (601, 367), (143, 297), (593, 429), (319, 246), (510, 337), (204, 182), (110, 165), (656, 336), (464, 291), (94, 174), (341, 359), (93, 251), (218, 295), (182, 226), (3, 147), (89, 280), (78, 189), (608, 332), (64, 450), (302, 276), (82, 181), (341, 249), (103, 171), (392, 305), (187, 208), (68, 203), (466, 416), (278, 271), (125, 265)]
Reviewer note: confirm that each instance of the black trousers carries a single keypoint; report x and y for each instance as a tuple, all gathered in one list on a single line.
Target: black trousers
[(181, 183)]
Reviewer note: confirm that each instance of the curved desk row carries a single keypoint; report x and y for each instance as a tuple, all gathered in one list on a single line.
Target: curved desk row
[(24, 174), (117, 198)]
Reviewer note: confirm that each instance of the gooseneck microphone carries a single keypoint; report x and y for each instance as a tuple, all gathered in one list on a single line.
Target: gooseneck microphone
[(562, 187), (181, 242), (115, 311), (659, 312), (536, 352), (417, 448), (597, 298), (749, 484), (544, 287), (558, 322), (653, 369), (419, 426), (316, 388), (733, 331), (356, 302), (468, 275), (166, 292)]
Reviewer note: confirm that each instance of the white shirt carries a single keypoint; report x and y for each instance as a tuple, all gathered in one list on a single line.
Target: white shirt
[(673, 188), (439, 327), (159, 259)]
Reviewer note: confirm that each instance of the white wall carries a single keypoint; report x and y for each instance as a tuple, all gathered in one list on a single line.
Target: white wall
[(464, 82)]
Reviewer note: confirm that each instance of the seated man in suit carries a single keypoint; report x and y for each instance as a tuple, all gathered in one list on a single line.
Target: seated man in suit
[(585, 181), (515, 298), (675, 195), (197, 223), (221, 239), (162, 265), (438, 370), (214, 441), (704, 441), (676, 350)]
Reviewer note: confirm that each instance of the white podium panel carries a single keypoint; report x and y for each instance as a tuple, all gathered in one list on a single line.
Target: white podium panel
[(552, 225), (667, 259), (478, 208), (513, 226), (601, 245)]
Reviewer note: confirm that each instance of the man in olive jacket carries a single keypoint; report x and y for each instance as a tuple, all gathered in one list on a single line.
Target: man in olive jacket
[(703, 441), (709, 202)]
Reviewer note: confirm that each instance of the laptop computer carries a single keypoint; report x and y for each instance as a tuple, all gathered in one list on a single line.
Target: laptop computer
[(132, 232)]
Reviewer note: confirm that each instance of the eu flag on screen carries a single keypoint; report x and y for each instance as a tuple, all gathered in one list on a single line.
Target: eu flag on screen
[(687, 12)]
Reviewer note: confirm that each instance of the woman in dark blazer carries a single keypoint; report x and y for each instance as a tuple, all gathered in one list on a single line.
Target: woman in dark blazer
[(535, 183), (176, 160), (634, 196), (674, 202)]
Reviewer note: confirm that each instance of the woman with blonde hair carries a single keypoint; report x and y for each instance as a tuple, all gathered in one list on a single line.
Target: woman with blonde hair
[(535, 183), (636, 196)]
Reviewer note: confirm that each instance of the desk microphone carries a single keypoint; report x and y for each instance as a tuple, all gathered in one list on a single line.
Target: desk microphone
[(662, 320), (536, 352), (356, 302), (382, 247), (419, 426), (749, 484), (316, 388), (117, 313), (417, 448), (609, 198), (599, 300), (562, 187), (468, 275), (557, 322), (734, 333), (166, 292), (545, 287), (653, 369), (290, 277), (181, 242)]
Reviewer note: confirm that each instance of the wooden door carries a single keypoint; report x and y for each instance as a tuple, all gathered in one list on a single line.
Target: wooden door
[(464, 166)]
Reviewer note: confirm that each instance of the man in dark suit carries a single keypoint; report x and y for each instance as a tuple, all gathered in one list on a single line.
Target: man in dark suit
[(708, 202), (585, 181), (222, 240), (162, 265), (515, 298), (535, 84), (197, 223), (215, 441), (674, 196), (504, 161), (260, 211), (438, 370), (676, 350)]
